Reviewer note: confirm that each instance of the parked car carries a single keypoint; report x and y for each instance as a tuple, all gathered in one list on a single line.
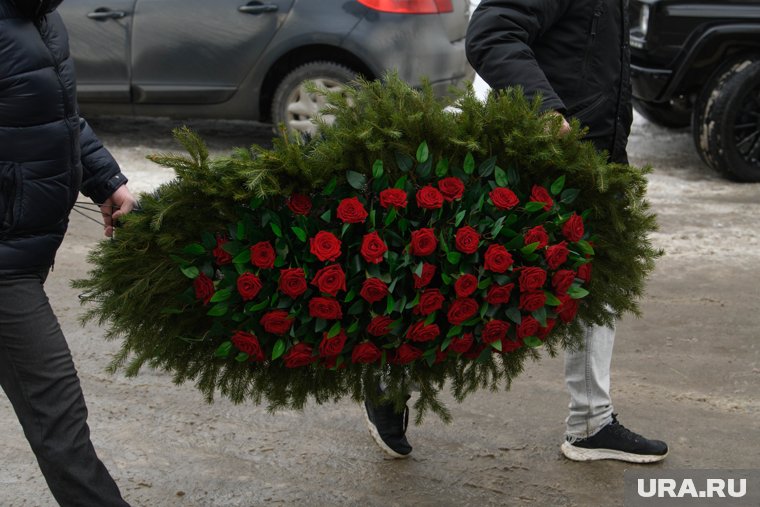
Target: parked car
[(239, 59), (697, 62)]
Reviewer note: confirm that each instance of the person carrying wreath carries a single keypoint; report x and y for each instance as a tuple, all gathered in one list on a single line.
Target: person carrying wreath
[(47, 154), (574, 54)]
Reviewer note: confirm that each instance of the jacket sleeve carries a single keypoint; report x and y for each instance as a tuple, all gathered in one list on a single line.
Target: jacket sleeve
[(101, 175), (499, 44)]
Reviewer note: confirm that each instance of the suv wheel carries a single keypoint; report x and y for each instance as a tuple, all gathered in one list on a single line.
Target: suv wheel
[(295, 106), (672, 114), (726, 121)]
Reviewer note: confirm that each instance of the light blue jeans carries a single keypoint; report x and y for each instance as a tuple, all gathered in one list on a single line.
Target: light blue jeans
[(587, 376)]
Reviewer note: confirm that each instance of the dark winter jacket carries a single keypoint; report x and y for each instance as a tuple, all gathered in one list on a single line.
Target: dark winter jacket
[(46, 151), (574, 53)]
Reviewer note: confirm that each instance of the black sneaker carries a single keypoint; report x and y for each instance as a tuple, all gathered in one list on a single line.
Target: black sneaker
[(615, 441), (388, 428)]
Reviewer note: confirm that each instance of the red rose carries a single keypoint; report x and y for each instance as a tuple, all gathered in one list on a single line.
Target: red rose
[(423, 242), (503, 198), (584, 272), (428, 272), (263, 255), (465, 285), (537, 234), (430, 301), (365, 352), (420, 332), (373, 290), (299, 204), (299, 355), (466, 240), (568, 309), (204, 288), (452, 188), (221, 255), (475, 351), (248, 343), (330, 347), (527, 327), (556, 255), (440, 356), (393, 197), (248, 285), (325, 308), (462, 344), (380, 325), (330, 279), (406, 354), (494, 330), (532, 278), (499, 294), (540, 194), (532, 300), (461, 310), (508, 345), (429, 198), (331, 363), (292, 282), (351, 211), (325, 246), (276, 322), (497, 259), (572, 229), (562, 280), (373, 248), (544, 331)]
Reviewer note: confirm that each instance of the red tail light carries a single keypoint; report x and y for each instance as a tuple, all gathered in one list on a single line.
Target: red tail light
[(409, 6)]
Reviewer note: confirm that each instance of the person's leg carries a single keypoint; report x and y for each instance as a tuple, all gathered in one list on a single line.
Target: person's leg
[(387, 426), (38, 376), (587, 376)]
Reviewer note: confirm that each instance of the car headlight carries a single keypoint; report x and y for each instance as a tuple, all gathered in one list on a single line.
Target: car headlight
[(644, 19)]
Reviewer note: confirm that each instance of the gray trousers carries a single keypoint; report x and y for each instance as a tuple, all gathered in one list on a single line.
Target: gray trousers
[(38, 376)]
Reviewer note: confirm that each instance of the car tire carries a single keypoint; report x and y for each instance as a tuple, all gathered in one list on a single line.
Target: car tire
[(726, 120), (671, 114), (294, 106)]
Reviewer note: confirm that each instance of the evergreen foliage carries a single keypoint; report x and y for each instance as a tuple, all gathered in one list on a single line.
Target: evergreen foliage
[(133, 286)]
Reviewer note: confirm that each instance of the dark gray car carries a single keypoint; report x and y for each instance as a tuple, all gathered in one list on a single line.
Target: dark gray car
[(236, 60)]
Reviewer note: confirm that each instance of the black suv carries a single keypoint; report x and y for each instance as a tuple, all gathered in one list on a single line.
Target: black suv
[(698, 62)]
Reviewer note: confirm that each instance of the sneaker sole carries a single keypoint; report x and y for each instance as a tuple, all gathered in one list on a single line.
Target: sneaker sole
[(580, 454), (379, 441)]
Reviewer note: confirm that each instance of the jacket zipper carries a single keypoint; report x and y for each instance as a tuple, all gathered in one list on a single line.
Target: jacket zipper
[(592, 38)]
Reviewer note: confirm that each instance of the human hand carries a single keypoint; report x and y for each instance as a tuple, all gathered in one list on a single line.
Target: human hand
[(564, 129), (119, 204)]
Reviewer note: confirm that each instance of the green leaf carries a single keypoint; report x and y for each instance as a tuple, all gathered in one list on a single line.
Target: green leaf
[(414, 302), (569, 195), (404, 162), (221, 295), (275, 229), (532, 342), (390, 216), (224, 349), (529, 249), (540, 315), (242, 257), (326, 216), (334, 330), (534, 206), (320, 325), (469, 163), (194, 249), (425, 168), (501, 177), (485, 283), (513, 175), (401, 182), (218, 310), (430, 319), (356, 180), (389, 305), (241, 357), (350, 296), (496, 345), (278, 349), (190, 271), (551, 299), (455, 330), (240, 231), (459, 217), (418, 270), (585, 247), (577, 292), (256, 307), (446, 343), (330, 187), (423, 152), (498, 226), (357, 307), (454, 257), (558, 185), (300, 233), (446, 279), (377, 169), (354, 327), (513, 314), (487, 167), (372, 215), (442, 167)]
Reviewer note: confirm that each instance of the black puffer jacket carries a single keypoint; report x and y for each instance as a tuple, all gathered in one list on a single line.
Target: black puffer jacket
[(573, 52), (46, 151)]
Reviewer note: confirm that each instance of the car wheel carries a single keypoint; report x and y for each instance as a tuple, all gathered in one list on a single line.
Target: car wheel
[(671, 114), (726, 122), (295, 106)]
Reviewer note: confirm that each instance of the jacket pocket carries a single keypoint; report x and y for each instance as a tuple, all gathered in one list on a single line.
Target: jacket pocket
[(10, 195)]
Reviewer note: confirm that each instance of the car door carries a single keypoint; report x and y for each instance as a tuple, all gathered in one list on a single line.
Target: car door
[(198, 51), (99, 34)]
